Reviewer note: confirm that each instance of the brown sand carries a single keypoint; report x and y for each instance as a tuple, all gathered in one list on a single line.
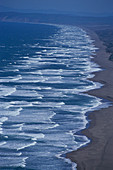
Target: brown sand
[(98, 155)]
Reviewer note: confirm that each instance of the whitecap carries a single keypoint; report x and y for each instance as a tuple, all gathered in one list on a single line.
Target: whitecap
[(11, 112), (26, 146), (3, 119), (33, 136), (6, 90)]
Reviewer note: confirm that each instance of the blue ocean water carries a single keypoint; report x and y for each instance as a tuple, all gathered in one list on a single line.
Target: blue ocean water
[(43, 71)]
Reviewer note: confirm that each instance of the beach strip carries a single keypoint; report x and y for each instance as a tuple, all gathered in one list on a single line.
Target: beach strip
[(98, 154)]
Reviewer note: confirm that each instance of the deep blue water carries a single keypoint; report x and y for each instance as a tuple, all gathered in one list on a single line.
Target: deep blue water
[(43, 71)]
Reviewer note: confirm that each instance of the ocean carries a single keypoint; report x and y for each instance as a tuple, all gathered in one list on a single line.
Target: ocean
[(44, 70)]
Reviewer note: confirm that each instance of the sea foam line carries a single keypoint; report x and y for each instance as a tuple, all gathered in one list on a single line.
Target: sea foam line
[(23, 147)]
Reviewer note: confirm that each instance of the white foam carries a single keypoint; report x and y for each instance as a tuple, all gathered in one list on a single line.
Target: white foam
[(10, 92), (22, 104), (52, 115), (25, 57), (8, 69), (32, 79), (2, 143), (52, 127), (6, 90), (10, 79), (49, 104), (38, 52), (24, 162), (13, 161), (26, 146), (11, 112), (2, 120), (6, 137), (33, 136), (27, 93), (19, 77), (18, 111), (19, 126), (19, 154), (71, 48)]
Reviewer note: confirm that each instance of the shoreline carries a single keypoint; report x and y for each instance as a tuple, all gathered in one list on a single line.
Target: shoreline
[(97, 155)]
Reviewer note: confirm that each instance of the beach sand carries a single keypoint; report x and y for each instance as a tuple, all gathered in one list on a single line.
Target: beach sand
[(98, 154)]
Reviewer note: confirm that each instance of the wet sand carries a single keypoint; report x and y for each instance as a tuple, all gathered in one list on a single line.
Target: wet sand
[(98, 154)]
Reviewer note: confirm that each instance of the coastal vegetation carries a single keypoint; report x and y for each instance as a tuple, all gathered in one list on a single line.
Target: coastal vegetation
[(106, 36)]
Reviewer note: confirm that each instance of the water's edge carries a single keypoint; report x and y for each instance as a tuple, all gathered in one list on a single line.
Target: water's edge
[(106, 102), (29, 63)]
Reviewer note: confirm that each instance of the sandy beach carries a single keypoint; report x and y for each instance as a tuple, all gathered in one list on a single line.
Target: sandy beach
[(99, 153)]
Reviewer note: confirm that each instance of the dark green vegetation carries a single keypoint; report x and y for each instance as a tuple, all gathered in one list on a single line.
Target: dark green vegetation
[(107, 37)]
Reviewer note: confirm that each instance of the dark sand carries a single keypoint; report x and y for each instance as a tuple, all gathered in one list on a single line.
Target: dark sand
[(98, 154)]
